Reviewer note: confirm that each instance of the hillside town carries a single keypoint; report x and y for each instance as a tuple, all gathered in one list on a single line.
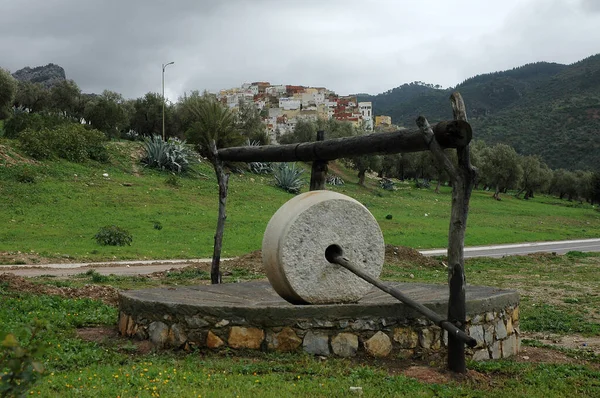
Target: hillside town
[(283, 106)]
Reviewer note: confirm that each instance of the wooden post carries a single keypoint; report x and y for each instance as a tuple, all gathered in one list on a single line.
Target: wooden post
[(461, 195), (463, 178), (318, 172), (223, 180)]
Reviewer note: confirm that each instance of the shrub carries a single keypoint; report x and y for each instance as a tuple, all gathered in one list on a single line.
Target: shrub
[(96, 276), (35, 143), (25, 173), (287, 177), (73, 142), (96, 150), (171, 155), (19, 368), (111, 235), (22, 121)]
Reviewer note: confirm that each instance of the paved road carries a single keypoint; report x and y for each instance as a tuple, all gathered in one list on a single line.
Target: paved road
[(148, 267), (560, 247)]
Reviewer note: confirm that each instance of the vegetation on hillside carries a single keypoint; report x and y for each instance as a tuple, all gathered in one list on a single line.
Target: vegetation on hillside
[(542, 109)]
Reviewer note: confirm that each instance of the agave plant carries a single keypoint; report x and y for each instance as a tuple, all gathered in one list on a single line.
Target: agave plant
[(387, 184), (334, 180), (287, 177), (259, 167), (169, 155)]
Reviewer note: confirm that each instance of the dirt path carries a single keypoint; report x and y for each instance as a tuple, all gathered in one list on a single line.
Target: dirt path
[(121, 268)]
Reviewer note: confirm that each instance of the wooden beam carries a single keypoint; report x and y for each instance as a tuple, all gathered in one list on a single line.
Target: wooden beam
[(453, 134)]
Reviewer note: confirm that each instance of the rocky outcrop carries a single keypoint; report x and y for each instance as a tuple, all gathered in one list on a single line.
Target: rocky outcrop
[(47, 76)]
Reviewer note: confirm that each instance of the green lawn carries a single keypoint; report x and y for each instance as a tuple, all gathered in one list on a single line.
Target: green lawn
[(53, 209), (559, 296)]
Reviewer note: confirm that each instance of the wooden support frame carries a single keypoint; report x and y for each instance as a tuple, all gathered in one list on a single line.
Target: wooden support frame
[(463, 179), (318, 171), (448, 134), (223, 181)]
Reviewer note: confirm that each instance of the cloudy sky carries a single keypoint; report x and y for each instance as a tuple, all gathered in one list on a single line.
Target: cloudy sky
[(349, 46)]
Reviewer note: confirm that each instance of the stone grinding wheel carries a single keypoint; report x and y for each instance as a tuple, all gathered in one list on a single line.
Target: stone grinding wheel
[(297, 237)]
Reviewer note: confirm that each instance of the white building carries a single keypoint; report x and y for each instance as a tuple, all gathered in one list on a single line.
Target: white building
[(253, 89), (276, 90), (366, 112), (289, 103)]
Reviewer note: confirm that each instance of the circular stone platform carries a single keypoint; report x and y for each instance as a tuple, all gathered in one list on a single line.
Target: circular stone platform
[(252, 315)]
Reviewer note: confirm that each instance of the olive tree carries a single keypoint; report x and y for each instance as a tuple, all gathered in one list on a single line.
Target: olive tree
[(32, 96), (65, 98), (107, 113), (536, 176), (8, 89), (500, 168)]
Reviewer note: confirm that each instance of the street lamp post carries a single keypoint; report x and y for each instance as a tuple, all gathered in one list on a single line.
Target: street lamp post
[(164, 66)]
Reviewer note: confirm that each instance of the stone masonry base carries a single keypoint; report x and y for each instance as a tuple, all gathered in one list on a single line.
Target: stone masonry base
[(379, 326)]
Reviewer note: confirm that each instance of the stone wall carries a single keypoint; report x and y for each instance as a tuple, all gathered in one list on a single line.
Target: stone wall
[(496, 332)]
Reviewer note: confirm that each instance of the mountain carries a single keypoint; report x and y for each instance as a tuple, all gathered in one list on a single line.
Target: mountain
[(541, 108), (47, 75)]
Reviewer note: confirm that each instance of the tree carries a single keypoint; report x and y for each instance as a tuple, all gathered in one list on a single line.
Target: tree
[(500, 168), (336, 128), (65, 97), (536, 176), (107, 113), (304, 131), (595, 197), (212, 121), (584, 185), (250, 123), (184, 117), (564, 183), (390, 165), (365, 163), (478, 149), (8, 89), (32, 96), (146, 116)]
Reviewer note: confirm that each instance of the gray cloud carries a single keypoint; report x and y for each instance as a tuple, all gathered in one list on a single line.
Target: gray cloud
[(349, 46)]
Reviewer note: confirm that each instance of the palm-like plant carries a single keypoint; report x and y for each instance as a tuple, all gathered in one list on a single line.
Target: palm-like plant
[(210, 120)]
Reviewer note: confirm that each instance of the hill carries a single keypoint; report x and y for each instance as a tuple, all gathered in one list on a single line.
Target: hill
[(541, 108), (47, 75)]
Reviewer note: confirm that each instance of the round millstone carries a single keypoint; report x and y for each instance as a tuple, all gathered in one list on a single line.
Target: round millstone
[(297, 237)]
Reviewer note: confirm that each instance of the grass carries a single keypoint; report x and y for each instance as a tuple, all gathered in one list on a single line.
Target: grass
[(53, 209), (114, 367)]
